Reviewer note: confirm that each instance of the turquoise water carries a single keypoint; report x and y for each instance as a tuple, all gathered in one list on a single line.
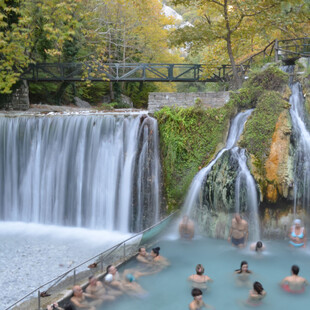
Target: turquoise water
[(170, 289)]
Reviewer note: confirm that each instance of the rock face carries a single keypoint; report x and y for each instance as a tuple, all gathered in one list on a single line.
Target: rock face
[(81, 103), (218, 198), (279, 165), (217, 205)]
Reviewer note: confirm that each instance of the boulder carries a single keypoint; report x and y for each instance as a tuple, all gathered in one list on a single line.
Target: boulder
[(81, 103)]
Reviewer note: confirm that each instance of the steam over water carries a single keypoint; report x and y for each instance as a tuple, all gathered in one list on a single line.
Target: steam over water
[(95, 171)]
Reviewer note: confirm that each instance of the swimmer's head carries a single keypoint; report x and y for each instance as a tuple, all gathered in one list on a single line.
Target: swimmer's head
[(92, 279), (108, 278), (196, 292), (257, 286), (130, 277), (244, 265), (297, 222), (142, 251), (111, 269), (295, 270), (200, 270), (259, 246), (155, 251)]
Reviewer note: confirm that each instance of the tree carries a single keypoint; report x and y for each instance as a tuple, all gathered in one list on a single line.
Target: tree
[(13, 41), (239, 24)]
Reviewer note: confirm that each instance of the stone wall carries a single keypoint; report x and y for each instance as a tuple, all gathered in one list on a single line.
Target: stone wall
[(157, 101), (18, 100)]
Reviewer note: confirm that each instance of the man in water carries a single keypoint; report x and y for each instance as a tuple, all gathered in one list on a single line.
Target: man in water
[(238, 233), (143, 256), (186, 228), (294, 283), (79, 299), (113, 279)]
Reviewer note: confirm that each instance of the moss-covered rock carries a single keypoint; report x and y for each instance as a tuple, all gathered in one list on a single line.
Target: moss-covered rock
[(189, 139)]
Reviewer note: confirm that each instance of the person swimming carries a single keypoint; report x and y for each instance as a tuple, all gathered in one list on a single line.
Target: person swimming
[(294, 283), (158, 259), (257, 247), (186, 228), (256, 295), (199, 280), (198, 303), (243, 274), (297, 235)]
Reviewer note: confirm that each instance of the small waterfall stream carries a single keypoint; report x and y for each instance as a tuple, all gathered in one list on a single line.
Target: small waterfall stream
[(79, 170), (235, 131), (302, 158), (245, 182)]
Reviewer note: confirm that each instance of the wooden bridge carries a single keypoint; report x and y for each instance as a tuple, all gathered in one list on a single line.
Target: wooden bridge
[(285, 50)]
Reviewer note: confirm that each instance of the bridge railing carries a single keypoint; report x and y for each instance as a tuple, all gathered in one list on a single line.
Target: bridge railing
[(121, 252), (47, 72), (292, 48)]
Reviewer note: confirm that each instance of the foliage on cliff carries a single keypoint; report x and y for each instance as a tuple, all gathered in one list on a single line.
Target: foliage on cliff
[(265, 91), (189, 139)]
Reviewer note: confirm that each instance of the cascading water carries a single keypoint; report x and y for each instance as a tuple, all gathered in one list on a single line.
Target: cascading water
[(235, 131), (245, 183), (302, 141), (79, 170)]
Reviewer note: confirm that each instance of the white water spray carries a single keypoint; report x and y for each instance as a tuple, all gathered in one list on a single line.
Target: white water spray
[(76, 170), (235, 131), (245, 182)]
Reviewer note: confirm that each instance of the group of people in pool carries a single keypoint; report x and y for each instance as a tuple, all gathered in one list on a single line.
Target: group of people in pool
[(115, 284), (239, 232), (291, 284), (238, 236)]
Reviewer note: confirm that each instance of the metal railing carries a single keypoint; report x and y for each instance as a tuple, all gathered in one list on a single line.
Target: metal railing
[(126, 251), (116, 72), (291, 48)]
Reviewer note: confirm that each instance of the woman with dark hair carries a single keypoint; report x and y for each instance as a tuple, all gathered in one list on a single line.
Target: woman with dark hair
[(257, 247), (243, 274), (158, 259), (198, 303), (256, 294), (199, 279)]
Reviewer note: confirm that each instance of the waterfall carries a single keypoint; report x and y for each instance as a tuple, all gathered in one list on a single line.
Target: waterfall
[(78, 170), (302, 141), (235, 131), (245, 183)]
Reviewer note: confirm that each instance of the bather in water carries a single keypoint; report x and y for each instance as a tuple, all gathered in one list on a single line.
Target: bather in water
[(198, 303), (243, 275), (256, 295), (199, 280), (297, 235), (257, 247), (158, 259), (294, 283)]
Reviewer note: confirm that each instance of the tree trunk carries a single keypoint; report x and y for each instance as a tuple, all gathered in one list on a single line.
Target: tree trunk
[(237, 82)]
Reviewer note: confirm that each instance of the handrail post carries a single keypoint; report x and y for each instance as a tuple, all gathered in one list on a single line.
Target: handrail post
[(101, 264), (74, 276), (39, 300), (124, 250)]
